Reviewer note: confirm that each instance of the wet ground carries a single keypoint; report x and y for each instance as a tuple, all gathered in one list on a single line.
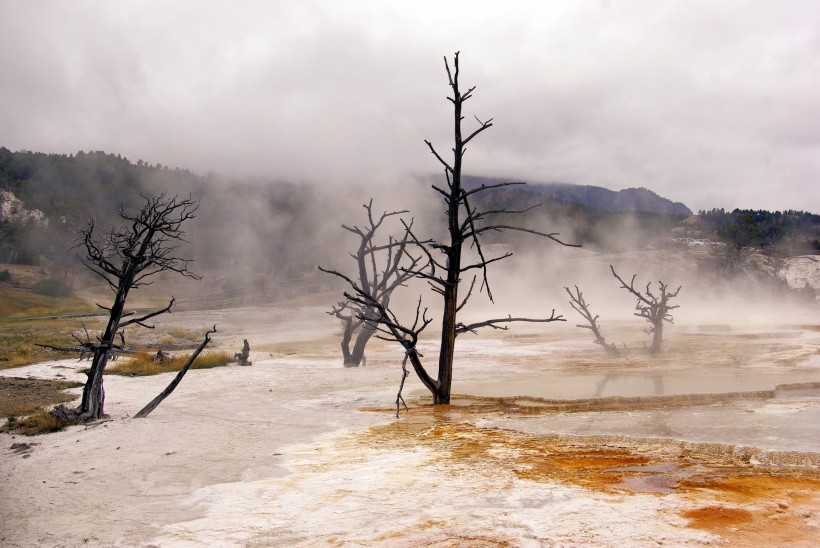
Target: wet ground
[(548, 442)]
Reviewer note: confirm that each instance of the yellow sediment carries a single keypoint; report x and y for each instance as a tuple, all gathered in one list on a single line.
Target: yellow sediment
[(730, 491)]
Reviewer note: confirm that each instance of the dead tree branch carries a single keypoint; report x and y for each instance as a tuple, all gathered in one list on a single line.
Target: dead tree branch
[(582, 307), (496, 324), (170, 388)]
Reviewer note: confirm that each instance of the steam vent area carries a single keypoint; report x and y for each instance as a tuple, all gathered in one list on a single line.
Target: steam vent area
[(548, 441)]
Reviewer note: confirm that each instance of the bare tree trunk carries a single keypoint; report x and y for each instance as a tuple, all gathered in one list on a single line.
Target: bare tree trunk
[(347, 336), (170, 388), (448, 342), (657, 336), (93, 403), (365, 333)]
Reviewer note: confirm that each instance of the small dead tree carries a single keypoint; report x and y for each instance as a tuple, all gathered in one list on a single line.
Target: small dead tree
[(653, 308), (173, 384), (381, 270), (445, 265), (384, 321), (242, 357), (126, 258), (576, 300)]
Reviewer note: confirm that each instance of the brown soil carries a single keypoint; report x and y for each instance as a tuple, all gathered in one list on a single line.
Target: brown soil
[(20, 396)]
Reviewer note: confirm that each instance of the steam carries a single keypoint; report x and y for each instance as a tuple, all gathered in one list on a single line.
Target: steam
[(712, 107)]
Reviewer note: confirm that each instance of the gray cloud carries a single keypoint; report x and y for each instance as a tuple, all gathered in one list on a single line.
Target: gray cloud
[(712, 104)]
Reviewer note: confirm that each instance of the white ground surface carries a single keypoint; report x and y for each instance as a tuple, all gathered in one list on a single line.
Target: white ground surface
[(270, 455)]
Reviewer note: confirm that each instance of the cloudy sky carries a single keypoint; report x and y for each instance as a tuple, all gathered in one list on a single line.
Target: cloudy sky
[(712, 103)]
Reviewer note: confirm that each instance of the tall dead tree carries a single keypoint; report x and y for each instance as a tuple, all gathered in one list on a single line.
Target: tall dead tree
[(381, 267), (126, 258), (445, 266), (654, 308), (577, 301)]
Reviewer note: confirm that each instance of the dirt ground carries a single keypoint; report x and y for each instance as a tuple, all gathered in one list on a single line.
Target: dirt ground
[(22, 396)]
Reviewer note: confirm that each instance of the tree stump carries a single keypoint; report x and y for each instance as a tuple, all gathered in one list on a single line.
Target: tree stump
[(242, 357)]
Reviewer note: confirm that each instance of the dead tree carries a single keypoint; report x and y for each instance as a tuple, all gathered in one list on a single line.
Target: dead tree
[(173, 384), (582, 307), (653, 308), (444, 268), (242, 357), (126, 258), (381, 270)]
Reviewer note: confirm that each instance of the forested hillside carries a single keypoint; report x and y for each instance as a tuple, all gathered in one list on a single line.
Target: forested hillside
[(636, 224), (635, 200), (267, 227), (281, 230), (788, 232)]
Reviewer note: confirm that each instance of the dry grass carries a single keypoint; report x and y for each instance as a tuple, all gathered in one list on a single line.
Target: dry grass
[(178, 337), (41, 422), (308, 347), (23, 403), (20, 396), (18, 338), (23, 304), (143, 364)]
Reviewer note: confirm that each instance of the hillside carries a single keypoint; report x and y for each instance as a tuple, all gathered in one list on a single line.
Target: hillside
[(638, 200), (279, 230)]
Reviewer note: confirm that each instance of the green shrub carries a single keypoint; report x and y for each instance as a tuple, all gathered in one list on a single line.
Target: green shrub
[(5, 275), (51, 288)]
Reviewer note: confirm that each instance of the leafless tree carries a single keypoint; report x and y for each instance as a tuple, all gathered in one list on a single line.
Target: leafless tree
[(444, 267), (653, 308), (577, 301), (127, 258), (382, 267)]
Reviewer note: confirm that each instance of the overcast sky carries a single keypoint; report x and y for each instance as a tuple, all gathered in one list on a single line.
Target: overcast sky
[(712, 103)]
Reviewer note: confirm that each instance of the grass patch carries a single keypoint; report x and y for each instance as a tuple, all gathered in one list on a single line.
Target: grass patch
[(23, 402), (20, 304), (18, 338), (143, 364), (178, 337), (304, 347), (41, 422), (51, 287)]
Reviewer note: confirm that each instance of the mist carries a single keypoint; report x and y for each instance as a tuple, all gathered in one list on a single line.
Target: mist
[(712, 106)]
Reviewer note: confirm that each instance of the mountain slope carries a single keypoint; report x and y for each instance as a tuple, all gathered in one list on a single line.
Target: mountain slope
[(626, 200)]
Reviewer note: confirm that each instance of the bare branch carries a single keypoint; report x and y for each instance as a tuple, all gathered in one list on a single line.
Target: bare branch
[(582, 307), (141, 319), (447, 166), (551, 236), (495, 324)]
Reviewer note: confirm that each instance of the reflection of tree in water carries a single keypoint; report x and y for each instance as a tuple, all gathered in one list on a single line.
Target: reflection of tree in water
[(655, 421)]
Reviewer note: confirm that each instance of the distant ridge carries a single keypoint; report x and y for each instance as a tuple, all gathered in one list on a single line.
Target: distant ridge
[(626, 200)]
